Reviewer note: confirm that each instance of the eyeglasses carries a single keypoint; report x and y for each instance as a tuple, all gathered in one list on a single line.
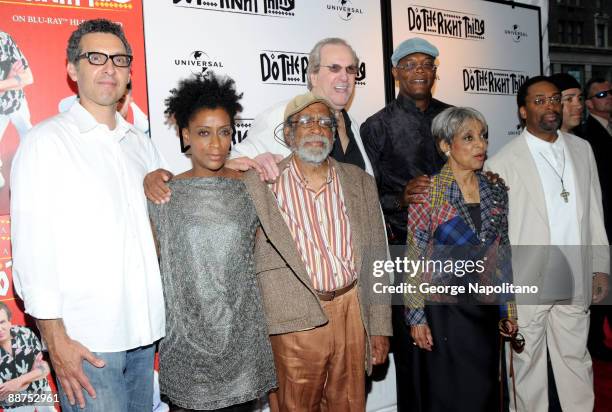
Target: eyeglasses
[(100, 59), (336, 68), (555, 100), (412, 66), (308, 122), (602, 94)]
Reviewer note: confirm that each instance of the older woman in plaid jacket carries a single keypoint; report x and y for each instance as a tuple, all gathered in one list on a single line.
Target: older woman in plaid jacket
[(459, 234)]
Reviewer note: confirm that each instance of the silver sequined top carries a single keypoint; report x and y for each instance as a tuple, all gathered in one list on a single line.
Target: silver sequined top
[(216, 352)]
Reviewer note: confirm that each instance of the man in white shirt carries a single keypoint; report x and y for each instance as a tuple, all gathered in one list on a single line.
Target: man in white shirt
[(555, 216), (84, 258)]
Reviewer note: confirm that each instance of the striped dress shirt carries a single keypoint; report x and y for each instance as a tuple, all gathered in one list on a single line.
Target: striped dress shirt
[(319, 225)]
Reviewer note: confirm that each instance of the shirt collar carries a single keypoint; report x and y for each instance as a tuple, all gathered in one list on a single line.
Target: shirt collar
[(407, 103), (86, 122), (296, 173), (540, 144)]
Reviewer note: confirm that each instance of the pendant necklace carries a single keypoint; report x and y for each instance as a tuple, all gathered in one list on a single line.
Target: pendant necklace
[(564, 193)]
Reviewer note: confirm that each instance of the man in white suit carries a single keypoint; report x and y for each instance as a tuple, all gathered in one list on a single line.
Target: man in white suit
[(554, 201)]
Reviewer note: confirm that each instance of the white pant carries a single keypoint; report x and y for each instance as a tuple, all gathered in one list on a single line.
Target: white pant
[(19, 118), (563, 330)]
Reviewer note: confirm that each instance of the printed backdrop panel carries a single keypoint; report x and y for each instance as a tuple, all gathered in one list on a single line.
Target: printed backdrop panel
[(487, 50), (263, 45)]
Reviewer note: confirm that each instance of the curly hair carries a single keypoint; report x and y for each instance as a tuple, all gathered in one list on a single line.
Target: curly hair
[(202, 92), (94, 26)]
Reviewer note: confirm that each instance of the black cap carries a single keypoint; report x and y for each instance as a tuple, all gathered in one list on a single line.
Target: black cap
[(564, 81)]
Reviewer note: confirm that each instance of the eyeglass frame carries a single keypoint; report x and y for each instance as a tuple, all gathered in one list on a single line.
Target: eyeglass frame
[(404, 67), (604, 94), (311, 123), (87, 55), (542, 100), (336, 68)]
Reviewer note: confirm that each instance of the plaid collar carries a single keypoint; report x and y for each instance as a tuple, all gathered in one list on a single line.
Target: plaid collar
[(446, 189)]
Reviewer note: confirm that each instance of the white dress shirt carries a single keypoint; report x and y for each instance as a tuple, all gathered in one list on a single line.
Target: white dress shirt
[(83, 250), (553, 161)]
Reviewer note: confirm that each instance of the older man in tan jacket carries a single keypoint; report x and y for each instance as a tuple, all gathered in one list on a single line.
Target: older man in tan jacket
[(321, 232)]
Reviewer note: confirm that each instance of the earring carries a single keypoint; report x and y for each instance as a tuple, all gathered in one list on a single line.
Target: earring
[(447, 153)]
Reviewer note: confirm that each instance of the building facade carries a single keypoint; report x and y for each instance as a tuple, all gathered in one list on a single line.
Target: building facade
[(580, 36)]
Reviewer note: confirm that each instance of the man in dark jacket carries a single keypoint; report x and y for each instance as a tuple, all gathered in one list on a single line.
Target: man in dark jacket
[(400, 146)]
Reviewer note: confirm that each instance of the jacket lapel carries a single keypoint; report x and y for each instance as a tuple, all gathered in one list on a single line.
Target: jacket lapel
[(486, 206), (527, 171), (274, 225), (455, 197), (579, 163), (353, 202)]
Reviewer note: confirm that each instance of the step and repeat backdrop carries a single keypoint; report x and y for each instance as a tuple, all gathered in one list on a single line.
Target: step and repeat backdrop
[(263, 45), (487, 49)]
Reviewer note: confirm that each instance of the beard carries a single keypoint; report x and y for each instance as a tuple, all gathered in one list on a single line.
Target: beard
[(315, 155), (550, 126)]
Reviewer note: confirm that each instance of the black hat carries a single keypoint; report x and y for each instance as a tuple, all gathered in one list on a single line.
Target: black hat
[(564, 81)]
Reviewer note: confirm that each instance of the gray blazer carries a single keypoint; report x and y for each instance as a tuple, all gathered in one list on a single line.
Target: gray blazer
[(290, 302)]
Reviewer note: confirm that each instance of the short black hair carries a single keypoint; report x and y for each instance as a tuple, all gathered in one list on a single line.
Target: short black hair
[(587, 87), (202, 92), (9, 314), (94, 26), (521, 96)]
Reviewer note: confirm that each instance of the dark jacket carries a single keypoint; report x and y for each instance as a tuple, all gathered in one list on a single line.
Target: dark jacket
[(400, 146), (601, 143)]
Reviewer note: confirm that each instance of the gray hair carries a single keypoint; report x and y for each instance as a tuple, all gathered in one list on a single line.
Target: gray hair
[(93, 26), (314, 59), (448, 123)]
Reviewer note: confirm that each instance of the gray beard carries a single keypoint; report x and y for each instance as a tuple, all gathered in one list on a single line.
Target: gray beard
[(314, 155)]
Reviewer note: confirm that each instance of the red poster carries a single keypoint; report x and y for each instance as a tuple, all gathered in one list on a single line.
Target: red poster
[(33, 39)]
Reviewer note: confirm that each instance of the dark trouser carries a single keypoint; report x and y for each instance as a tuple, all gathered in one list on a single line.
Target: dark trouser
[(406, 357)]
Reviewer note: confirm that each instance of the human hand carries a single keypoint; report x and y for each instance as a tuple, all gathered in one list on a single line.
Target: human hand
[(67, 357), (421, 334), (380, 349), (269, 162), (17, 68), (13, 386), (416, 186), (494, 178), (155, 186), (600, 287), (508, 327)]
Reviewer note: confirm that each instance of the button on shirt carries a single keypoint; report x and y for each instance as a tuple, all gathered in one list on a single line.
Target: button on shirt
[(319, 225), (82, 244)]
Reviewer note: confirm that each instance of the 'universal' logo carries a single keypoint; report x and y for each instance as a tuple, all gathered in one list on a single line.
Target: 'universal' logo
[(345, 9), (516, 33), (198, 62)]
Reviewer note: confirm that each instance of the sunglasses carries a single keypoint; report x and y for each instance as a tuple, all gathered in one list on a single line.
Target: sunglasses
[(602, 94)]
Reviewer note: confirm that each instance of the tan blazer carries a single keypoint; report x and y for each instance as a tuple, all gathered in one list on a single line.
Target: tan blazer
[(290, 302), (528, 217)]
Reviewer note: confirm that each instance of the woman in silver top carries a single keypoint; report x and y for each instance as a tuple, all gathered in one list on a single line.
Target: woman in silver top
[(216, 353)]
